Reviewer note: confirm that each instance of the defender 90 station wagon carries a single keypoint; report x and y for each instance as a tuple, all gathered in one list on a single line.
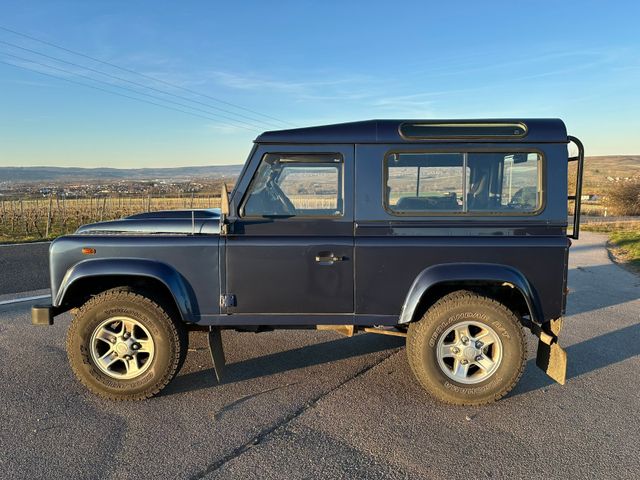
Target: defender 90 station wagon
[(453, 234)]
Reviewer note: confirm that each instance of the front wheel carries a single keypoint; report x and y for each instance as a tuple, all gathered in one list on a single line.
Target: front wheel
[(124, 346), (468, 349)]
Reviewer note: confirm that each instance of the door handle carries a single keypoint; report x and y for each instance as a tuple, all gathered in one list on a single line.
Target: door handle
[(328, 258)]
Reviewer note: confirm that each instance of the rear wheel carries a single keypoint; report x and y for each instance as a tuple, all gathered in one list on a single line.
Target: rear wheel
[(467, 349), (124, 346)]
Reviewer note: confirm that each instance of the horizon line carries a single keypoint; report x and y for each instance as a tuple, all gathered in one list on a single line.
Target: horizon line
[(228, 164)]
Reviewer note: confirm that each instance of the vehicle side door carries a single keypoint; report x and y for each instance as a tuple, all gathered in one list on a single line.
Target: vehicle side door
[(289, 247)]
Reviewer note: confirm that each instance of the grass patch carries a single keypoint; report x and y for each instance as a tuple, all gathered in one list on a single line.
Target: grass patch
[(611, 227), (626, 248), (624, 241)]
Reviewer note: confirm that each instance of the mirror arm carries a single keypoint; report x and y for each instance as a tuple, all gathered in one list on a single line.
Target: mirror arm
[(224, 210)]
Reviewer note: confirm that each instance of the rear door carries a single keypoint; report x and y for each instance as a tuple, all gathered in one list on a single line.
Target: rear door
[(289, 249)]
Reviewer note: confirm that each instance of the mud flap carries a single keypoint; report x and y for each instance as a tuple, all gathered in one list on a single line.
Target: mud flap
[(217, 351), (551, 357)]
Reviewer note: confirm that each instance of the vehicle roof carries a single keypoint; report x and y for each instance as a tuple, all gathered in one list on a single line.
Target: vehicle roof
[(539, 130)]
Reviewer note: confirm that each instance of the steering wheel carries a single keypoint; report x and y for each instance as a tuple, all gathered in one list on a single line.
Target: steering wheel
[(278, 195)]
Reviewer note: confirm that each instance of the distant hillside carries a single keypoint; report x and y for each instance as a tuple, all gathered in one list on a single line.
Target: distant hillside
[(62, 174), (605, 171), (599, 172), (612, 166)]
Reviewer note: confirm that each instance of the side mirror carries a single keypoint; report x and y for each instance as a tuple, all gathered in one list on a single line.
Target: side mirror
[(224, 210)]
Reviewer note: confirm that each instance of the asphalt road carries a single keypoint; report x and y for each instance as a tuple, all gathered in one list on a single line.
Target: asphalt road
[(300, 404), (24, 267)]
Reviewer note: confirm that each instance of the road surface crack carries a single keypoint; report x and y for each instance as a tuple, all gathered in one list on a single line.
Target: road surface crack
[(267, 432), (245, 398)]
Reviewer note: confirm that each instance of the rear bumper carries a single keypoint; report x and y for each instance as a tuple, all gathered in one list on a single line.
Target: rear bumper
[(43, 314)]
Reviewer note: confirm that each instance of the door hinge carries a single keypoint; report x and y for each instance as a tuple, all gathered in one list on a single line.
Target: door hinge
[(227, 300)]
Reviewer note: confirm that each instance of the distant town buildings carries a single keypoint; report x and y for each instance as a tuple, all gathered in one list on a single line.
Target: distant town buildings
[(156, 187)]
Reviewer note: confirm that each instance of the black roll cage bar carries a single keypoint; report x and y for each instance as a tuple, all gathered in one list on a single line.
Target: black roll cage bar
[(577, 198)]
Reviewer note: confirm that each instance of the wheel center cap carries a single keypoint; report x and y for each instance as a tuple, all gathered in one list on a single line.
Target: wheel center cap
[(121, 348), (469, 353)]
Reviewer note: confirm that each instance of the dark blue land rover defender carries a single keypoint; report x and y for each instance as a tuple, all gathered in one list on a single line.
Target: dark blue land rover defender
[(451, 233)]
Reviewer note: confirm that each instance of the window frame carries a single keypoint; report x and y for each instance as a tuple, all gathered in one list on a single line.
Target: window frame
[(340, 167), (464, 212)]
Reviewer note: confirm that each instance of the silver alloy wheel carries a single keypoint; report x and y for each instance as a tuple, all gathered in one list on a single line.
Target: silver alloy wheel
[(469, 352), (122, 348)]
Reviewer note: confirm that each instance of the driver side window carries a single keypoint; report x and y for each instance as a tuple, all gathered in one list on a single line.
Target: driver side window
[(291, 185)]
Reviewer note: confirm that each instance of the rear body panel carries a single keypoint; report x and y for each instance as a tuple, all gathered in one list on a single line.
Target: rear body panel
[(540, 260), (392, 250)]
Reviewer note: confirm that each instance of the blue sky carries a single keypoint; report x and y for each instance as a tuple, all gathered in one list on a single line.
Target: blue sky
[(305, 63)]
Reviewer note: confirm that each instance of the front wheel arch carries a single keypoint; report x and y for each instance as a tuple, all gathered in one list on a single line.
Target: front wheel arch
[(82, 290), (91, 277)]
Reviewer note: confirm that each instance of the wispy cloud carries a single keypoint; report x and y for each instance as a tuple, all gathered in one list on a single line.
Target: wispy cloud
[(28, 83), (250, 81), (229, 129), (485, 63), (421, 104)]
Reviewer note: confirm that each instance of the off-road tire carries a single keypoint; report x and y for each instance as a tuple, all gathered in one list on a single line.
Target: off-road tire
[(423, 336), (169, 336)]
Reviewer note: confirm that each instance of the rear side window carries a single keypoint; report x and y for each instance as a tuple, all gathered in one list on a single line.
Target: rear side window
[(425, 182), (304, 185), (482, 183)]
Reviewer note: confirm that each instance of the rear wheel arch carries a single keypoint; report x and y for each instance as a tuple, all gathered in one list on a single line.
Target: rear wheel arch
[(499, 282)]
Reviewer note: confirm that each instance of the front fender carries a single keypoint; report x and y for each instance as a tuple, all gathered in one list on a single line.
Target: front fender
[(465, 272), (182, 294)]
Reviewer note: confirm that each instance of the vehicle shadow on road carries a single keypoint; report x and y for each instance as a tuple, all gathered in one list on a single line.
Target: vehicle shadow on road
[(585, 357), (599, 286), (584, 247), (308, 356)]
